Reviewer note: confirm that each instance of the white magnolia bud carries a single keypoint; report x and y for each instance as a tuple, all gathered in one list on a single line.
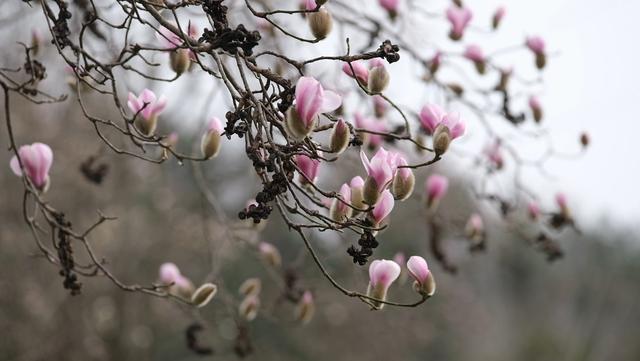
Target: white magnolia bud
[(203, 295), (180, 61), (441, 139), (339, 137), (378, 79)]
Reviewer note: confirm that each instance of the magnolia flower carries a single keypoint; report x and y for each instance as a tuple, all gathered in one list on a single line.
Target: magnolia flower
[(444, 127), (533, 209), (146, 107), (340, 207), (494, 154), (380, 172), (498, 15), (382, 208), (390, 5), (169, 274), (476, 55), (36, 161), (359, 71), (459, 17), (311, 100), (372, 125), (210, 144), (424, 281), (404, 181), (536, 108), (436, 188), (382, 273), (308, 168), (474, 228), (537, 45)]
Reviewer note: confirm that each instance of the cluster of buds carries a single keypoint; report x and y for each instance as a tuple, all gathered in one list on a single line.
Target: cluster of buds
[(35, 162), (386, 168), (382, 273), (443, 126)]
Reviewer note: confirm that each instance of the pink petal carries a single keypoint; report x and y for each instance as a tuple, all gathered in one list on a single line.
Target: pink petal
[(418, 268)]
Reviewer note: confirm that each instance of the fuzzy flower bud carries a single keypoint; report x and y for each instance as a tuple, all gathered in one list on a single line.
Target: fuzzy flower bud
[(308, 167), (537, 46), (357, 192), (320, 23), (249, 307), (476, 55), (204, 294), (36, 41), (180, 60), (270, 254), (210, 144), (382, 273), (340, 136), (378, 77), (380, 170), (170, 275), (311, 100), (459, 17), (404, 181), (250, 287), (359, 71), (424, 283), (36, 159), (533, 210), (306, 308), (474, 229)]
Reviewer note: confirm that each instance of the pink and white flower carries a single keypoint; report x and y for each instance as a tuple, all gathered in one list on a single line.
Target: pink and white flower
[(419, 270), (308, 167), (459, 17), (359, 71), (432, 115), (436, 188), (36, 160), (382, 273), (311, 100), (383, 207)]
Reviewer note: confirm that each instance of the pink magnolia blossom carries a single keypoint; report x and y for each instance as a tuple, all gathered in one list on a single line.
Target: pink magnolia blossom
[(419, 270), (310, 4), (169, 274), (433, 115), (561, 200), (498, 15), (357, 182), (534, 103), (382, 273), (436, 188), (379, 106), (170, 40), (390, 5), (435, 62), (360, 70), (399, 258), (147, 104), (312, 99), (536, 44), (309, 168), (383, 208), (494, 154), (36, 160), (459, 19), (382, 167), (372, 125), (533, 209), (474, 53), (340, 207)]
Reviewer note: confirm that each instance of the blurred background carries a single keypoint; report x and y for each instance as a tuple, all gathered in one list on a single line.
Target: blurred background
[(507, 303)]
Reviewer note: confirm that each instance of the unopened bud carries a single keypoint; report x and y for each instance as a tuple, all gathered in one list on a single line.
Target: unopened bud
[(36, 41), (403, 184), (340, 209), (248, 308), (441, 139), (250, 287), (306, 308), (203, 295), (296, 126), (370, 193), (210, 144), (180, 61), (474, 230), (427, 287), (541, 60), (146, 126), (584, 139), (357, 193), (320, 23), (536, 109), (497, 17), (339, 136), (270, 254), (456, 88), (378, 79)]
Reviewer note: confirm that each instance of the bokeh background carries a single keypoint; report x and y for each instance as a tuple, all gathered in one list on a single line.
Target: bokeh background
[(507, 303)]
